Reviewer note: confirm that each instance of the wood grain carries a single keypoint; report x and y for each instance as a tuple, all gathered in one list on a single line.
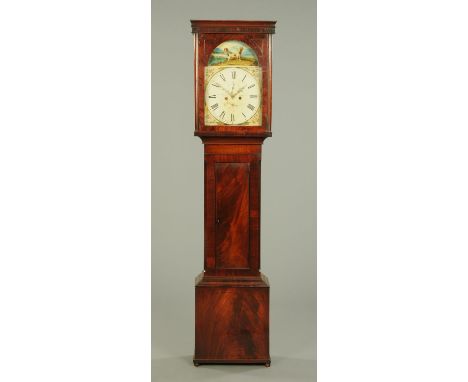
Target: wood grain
[(232, 324), (232, 215)]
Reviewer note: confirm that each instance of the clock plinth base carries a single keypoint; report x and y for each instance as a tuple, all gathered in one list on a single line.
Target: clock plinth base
[(232, 320)]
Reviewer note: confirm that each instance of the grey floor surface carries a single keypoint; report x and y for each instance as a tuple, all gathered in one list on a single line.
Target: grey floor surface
[(282, 369)]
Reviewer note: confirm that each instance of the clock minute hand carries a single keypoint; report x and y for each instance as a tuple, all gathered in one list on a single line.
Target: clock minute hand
[(225, 90)]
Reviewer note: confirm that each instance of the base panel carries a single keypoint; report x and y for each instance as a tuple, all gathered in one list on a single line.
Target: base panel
[(232, 322)]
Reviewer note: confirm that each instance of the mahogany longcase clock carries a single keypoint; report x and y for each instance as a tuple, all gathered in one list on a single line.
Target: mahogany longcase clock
[(232, 118)]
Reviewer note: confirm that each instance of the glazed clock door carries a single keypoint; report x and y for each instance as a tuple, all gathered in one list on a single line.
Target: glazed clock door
[(233, 86)]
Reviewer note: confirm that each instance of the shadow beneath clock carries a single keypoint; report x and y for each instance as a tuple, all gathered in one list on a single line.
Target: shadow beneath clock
[(282, 369)]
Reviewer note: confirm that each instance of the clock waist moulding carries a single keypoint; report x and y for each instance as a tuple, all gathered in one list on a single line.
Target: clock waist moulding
[(232, 118)]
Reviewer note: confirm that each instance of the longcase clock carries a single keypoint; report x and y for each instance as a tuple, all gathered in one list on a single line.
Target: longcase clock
[(232, 118)]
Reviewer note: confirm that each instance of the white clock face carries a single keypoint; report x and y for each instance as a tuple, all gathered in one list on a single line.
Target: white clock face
[(233, 96)]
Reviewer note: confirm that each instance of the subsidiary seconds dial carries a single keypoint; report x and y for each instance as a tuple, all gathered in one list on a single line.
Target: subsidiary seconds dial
[(233, 96)]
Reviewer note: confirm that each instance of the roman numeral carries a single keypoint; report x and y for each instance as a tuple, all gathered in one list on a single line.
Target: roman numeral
[(222, 114), (212, 96), (233, 75), (251, 86), (222, 76), (244, 115), (253, 96), (232, 117), (244, 78), (215, 106), (216, 85), (251, 107)]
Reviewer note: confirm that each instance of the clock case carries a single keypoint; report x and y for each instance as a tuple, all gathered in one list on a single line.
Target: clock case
[(231, 294)]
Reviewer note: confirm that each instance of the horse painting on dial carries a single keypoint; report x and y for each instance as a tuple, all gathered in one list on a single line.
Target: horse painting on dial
[(233, 52)]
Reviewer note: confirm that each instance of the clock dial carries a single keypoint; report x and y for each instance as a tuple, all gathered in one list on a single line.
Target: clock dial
[(233, 96)]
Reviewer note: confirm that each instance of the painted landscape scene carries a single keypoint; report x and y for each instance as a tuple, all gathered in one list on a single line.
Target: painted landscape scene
[(233, 53)]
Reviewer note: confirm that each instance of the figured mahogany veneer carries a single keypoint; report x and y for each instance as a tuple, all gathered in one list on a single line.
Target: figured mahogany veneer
[(232, 215), (231, 294), (232, 322), (232, 206)]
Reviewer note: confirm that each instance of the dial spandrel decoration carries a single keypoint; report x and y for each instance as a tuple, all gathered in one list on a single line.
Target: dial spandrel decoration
[(233, 86)]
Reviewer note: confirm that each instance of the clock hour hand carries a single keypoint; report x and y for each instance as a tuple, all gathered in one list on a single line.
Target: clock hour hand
[(237, 92)]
